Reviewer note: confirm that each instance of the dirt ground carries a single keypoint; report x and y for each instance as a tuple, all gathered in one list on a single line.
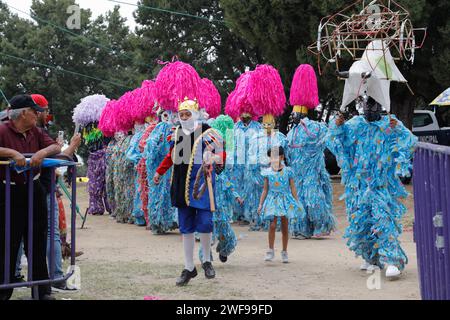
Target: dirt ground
[(127, 262)]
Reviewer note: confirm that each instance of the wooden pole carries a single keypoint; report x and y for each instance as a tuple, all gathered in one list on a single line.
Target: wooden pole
[(211, 193)]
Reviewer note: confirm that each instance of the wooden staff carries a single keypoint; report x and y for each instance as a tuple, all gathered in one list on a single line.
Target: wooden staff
[(211, 193)]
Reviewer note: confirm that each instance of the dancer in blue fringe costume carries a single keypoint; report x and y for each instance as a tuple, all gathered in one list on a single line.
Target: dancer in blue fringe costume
[(133, 155), (161, 215), (265, 139), (109, 175), (307, 142), (373, 151), (223, 233), (226, 196), (241, 171), (124, 184)]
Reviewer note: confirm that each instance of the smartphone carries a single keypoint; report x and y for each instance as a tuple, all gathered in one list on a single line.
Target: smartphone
[(60, 139), (77, 129)]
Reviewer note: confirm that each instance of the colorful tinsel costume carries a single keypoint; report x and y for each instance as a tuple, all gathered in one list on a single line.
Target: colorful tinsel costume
[(109, 174), (133, 155), (142, 171), (372, 155), (306, 145), (162, 216), (124, 186), (241, 170)]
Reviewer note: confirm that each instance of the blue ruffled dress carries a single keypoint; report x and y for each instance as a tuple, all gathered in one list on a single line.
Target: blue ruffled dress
[(259, 160), (279, 201), (306, 145), (372, 156)]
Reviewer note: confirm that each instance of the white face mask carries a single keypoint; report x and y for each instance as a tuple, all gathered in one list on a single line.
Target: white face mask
[(188, 125)]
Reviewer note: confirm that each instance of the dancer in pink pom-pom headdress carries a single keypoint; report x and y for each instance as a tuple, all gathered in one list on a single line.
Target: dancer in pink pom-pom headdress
[(307, 141), (239, 108)]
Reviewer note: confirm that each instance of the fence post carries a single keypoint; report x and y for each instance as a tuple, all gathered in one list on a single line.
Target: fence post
[(432, 217)]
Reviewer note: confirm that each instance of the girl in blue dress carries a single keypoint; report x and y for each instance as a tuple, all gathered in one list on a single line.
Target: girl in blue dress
[(279, 200)]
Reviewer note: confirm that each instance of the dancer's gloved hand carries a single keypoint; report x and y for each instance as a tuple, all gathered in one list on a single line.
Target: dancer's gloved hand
[(156, 178)]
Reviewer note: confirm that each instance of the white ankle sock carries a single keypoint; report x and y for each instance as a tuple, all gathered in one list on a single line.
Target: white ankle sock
[(188, 244), (205, 241)]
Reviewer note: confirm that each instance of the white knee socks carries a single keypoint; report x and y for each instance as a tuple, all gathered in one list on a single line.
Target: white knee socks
[(205, 241), (188, 244)]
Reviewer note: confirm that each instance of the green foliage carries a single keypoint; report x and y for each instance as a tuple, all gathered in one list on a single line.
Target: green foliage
[(46, 41), (209, 46), (229, 37)]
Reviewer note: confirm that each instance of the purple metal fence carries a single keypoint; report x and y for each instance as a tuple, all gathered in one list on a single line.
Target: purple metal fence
[(432, 219), (4, 165)]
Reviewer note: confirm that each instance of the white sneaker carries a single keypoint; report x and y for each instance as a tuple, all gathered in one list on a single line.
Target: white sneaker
[(284, 257), (365, 266), (392, 272), (270, 254)]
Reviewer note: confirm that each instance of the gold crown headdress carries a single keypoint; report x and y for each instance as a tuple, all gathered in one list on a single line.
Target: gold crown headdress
[(188, 104)]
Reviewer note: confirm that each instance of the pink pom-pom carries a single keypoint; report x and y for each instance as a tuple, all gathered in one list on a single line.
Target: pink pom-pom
[(176, 81), (237, 102), (304, 90), (266, 91), (142, 102), (107, 123), (123, 119), (210, 98)]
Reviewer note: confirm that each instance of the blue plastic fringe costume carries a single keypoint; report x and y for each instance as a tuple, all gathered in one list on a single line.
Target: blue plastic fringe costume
[(259, 161), (240, 172), (109, 174), (306, 145), (162, 216), (124, 183), (226, 196), (133, 155), (372, 156)]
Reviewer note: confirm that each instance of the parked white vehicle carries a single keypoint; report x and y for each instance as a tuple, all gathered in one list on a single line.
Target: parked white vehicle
[(432, 126)]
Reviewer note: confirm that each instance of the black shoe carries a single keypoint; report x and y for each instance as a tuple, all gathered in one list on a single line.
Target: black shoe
[(210, 273), (47, 297), (61, 287), (19, 279), (223, 258), (186, 275)]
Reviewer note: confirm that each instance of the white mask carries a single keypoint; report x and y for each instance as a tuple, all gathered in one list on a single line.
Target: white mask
[(189, 125)]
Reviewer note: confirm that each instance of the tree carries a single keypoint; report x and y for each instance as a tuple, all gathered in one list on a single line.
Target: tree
[(205, 41), (97, 50)]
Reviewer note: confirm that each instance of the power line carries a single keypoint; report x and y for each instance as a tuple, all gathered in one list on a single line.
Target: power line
[(169, 11), (65, 30), (60, 69), (4, 97)]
